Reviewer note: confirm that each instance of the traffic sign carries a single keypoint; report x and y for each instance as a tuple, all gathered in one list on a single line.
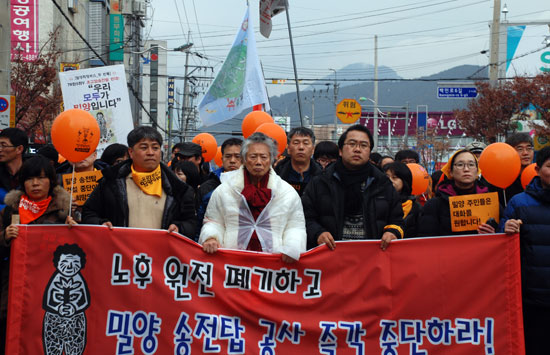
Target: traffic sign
[(456, 92), (348, 110), (7, 111)]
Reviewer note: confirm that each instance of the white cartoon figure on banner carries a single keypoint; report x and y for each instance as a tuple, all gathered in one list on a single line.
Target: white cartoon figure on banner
[(65, 299)]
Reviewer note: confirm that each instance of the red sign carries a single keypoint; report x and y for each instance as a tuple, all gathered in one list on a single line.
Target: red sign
[(24, 30), (135, 291), (443, 123)]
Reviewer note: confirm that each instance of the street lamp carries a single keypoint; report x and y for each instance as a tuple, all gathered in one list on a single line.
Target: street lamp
[(182, 48)]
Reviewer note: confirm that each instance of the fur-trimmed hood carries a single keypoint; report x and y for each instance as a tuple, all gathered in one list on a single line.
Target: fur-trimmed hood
[(60, 200)]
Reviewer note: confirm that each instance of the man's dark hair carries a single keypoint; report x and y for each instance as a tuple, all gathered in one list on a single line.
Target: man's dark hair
[(355, 127), (401, 170), (376, 157), (143, 132), (70, 249), (542, 156), (17, 137), (34, 167), (407, 154), (326, 149), (48, 151), (518, 138), (178, 146), (230, 142), (301, 131), (113, 152)]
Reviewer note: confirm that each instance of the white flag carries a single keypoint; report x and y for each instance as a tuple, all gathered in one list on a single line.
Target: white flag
[(268, 9), (239, 84)]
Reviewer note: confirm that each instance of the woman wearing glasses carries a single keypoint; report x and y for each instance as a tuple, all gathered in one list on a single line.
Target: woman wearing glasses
[(462, 175)]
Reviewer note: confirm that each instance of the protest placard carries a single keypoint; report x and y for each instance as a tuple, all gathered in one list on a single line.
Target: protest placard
[(103, 92), (83, 185), (469, 211)]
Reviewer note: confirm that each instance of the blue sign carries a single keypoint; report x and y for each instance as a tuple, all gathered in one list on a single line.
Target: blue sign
[(456, 92), (3, 104)]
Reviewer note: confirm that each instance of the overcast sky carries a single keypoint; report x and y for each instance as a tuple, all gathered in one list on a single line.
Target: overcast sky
[(415, 37)]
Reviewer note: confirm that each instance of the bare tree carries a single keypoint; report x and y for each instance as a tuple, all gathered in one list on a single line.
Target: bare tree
[(36, 88)]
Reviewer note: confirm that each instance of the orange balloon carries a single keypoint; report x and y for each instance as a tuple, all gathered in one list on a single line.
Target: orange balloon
[(528, 174), (60, 158), (275, 132), (254, 120), (208, 145), (218, 157), (75, 134), (500, 164), (421, 178)]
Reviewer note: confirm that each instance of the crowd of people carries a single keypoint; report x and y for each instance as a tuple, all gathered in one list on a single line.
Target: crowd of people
[(315, 194)]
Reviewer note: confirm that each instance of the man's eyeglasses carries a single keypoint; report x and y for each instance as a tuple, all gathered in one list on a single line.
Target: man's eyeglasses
[(355, 144), (4, 146), (524, 149)]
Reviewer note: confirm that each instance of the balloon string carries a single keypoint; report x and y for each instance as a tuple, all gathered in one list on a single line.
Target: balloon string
[(504, 194), (71, 199)]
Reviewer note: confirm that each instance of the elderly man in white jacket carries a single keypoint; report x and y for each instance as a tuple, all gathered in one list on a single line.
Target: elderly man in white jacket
[(254, 209)]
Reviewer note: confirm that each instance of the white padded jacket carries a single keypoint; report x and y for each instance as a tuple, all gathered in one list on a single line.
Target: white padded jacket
[(280, 227)]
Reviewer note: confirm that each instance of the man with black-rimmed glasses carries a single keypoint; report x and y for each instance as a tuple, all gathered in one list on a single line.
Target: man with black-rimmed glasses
[(352, 199)]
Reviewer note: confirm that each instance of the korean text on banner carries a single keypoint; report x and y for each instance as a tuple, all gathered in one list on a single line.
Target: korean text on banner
[(24, 30), (240, 82), (103, 92), (469, 211), (125, 291)]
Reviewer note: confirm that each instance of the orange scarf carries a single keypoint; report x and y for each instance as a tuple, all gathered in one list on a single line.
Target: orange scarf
[(31, 210), (407, 206), (150, 183)]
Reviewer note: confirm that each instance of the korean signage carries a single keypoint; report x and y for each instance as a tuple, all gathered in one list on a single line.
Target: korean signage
[(348, 110), (24, 30), (171, 87), (469, 211), (83, 185), (103, 92), (116, 26), (456, 92), (68, 66), (7, 111), (138, 291)]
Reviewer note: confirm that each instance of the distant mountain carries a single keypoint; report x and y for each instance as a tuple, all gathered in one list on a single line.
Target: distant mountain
[(471, 72), (359, 71), (392, 91)]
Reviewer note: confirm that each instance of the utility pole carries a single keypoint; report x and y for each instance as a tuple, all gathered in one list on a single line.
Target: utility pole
[(186, 88), (375, 133), (335, 133), (136, 67), (407, 126), (5, 48), (495, 34)]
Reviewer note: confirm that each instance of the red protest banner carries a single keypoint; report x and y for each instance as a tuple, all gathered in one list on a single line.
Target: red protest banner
[(135, 291)]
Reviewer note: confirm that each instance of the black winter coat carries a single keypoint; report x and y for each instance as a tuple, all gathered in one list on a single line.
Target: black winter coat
[(411, 222), (323, 202), (533, 208), (109, 200), (284, 168)]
